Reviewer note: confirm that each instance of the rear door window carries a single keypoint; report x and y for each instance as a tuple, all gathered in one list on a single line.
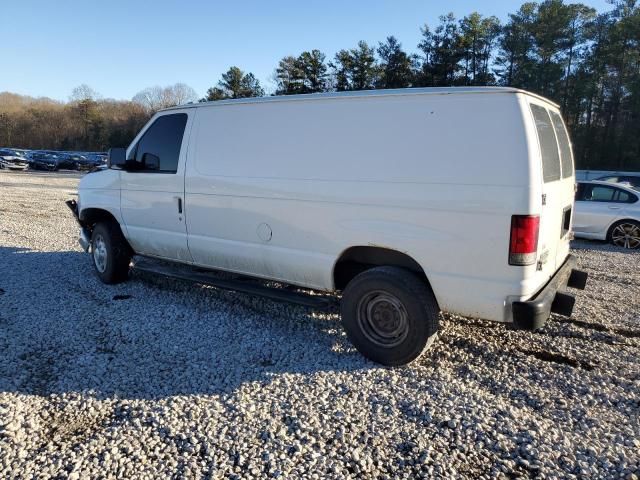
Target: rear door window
[(602, 194), (565, 145), (625, 197), (548, 145)]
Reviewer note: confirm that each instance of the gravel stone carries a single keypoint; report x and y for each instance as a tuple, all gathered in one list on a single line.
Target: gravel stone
[(163, 379)]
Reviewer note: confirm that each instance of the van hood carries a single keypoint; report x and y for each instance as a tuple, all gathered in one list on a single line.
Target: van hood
[(102, 179)]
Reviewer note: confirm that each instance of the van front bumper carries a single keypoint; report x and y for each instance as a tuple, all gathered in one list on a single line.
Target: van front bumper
[(532, 314), (85, 234)]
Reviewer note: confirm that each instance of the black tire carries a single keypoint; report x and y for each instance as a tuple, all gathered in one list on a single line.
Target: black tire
[(390, 315), (110, 253), (625, 234)]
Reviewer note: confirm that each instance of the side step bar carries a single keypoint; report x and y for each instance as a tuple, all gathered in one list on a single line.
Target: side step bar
[(242, 285)]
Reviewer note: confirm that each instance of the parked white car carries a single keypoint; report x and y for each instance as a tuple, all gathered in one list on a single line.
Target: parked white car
[(606, 211), (407, 202)]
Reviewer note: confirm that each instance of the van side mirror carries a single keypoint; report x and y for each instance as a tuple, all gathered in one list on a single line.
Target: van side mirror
[(116, 158)]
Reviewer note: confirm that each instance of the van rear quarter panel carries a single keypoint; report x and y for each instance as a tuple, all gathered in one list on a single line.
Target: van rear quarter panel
[(434, 176)]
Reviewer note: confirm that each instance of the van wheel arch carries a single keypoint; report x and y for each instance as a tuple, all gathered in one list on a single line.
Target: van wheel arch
[(90, 216), (357, 259)]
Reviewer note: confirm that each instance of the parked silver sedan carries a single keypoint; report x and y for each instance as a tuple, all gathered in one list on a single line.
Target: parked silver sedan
[(607, 211)]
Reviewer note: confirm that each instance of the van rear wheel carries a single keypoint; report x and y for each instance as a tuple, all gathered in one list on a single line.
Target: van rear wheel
[(390, 315)]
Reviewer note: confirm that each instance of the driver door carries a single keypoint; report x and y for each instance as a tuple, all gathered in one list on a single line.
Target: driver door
[(152, 187)]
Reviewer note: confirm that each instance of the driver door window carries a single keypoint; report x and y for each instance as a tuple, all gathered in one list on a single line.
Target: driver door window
[(158, 151)]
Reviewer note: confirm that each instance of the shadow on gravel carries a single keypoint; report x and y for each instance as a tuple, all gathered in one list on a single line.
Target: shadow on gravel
[(625, 332), (62, 331), (556, 358)]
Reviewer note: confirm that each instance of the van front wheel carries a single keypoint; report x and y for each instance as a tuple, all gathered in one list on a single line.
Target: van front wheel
[(390, 315), (110, 253)]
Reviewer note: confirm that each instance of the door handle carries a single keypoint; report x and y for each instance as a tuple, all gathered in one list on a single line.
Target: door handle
[(179, 199), (613, 207)]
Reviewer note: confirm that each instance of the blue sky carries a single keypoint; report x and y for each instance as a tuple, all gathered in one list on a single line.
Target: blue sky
[(119, 47)]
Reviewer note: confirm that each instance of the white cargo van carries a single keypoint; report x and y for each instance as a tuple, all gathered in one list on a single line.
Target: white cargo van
[(407, 202)]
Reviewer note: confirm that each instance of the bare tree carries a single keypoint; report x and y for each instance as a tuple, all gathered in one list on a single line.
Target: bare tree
[(156, 98), (182, 93), (149, 98), (83, 92)]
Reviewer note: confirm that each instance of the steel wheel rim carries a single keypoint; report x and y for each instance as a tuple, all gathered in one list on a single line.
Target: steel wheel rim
[(100, 253), (383, 319), (626, 235)]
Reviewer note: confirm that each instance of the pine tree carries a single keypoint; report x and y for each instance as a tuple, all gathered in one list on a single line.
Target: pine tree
[(306, 73), (235, 84), (355, 69), (442, 52), (397, 68), (478, 36)]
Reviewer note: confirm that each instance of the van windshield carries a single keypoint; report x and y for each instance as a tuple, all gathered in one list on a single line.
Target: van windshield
[(548, 145)]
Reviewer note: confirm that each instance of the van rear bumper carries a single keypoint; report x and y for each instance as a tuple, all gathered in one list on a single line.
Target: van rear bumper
[(532, 314)]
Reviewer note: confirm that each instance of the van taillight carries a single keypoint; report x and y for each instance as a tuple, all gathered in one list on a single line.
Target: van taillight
[(523, 245)]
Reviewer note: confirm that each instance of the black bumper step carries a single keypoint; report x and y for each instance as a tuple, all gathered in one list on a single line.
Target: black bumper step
[(534, 313)]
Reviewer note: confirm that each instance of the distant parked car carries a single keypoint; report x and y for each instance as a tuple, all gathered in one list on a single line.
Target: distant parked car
[(71, 161), (606, 211), (633, 180), (96, 158), (43, 160), (12, 160)]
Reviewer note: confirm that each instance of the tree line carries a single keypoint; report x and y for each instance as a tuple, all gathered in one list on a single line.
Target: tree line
[(87, 122), (588, 63)]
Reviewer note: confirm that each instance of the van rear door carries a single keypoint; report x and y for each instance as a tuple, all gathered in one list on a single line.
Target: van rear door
[(557, 189), (567, 191)]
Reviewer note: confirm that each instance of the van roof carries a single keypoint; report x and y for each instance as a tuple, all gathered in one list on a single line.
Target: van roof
[(366, 93)]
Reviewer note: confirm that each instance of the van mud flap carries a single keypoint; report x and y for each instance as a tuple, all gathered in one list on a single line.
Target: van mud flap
[(533, 314)]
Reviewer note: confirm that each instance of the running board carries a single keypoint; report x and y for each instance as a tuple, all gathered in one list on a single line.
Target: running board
[(242, 285)]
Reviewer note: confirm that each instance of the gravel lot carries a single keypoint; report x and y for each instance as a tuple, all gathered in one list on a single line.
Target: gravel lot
[(162, 379)]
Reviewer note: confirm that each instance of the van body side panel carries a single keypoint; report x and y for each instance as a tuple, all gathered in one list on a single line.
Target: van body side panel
[(279, 190)]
